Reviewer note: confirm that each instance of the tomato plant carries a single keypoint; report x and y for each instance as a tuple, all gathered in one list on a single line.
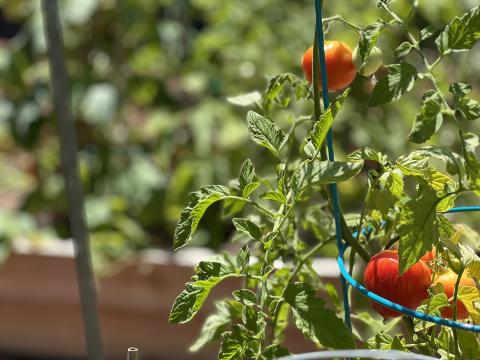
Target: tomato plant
[(409, 289), (340, 69), (283, 217)]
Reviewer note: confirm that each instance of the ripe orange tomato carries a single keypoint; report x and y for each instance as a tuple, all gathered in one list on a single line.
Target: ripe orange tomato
[(448, 281), (382, 277), (340, 68)]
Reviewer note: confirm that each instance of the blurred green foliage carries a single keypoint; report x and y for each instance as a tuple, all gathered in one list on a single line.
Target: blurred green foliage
[(149, 79)]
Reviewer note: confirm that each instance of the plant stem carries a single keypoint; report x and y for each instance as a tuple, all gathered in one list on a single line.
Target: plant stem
[(297, 268), (454, 317), (435, 82), (348, 237), (253, 203), (411, 328), (339, 18)]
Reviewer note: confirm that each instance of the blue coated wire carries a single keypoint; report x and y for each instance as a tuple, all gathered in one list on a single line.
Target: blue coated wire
[(391, 305), (331, 153), (463, 209)]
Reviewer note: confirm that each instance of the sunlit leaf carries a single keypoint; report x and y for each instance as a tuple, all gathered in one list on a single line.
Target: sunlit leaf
[(248, 227), (246, 99), (315, 321), (325, 172), (399, 80), (461, 34), (264, 132), (418, 228), (226, 312), (247, 174), (325, 122), (193, 213), (428, 120)]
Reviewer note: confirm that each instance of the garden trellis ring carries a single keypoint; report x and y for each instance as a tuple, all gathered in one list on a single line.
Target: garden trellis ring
[(346, 278)]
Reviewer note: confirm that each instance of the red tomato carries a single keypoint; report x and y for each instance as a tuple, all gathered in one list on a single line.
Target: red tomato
[(429, 256), (340, 68), (448, 280), (382, 277)]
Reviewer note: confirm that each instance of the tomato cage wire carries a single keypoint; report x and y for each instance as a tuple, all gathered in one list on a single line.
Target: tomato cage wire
[(346, 279)]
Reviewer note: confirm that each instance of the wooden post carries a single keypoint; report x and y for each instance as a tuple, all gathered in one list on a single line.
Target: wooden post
[(73, 186)]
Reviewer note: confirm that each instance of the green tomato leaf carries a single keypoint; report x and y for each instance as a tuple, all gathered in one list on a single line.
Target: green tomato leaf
[(250, 188), (321, 127), (207, 269), (403, 49), (471, 142), (275, 351), (316, 173), (198, 203), (250, 318), (245, 296), (232, 207), (461, 34), (428, 32), (389, 189), (470, 297), (246, 99), (233, 345), (275, 90), (418, 166), (317, 323), (468, 108), (282, 321), (207, 275), (399, 80), (453, 160), (310, 149), (397, 344), (428, 120), (432, 306), (381, 341), (226, 312), (247, 174), (460, 89), (469, 344), (367, 153), (275, 196), (467, 255), (446, 228), (243, 259), (248, 227), (418, 228), (190, 300), (265, 133)]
